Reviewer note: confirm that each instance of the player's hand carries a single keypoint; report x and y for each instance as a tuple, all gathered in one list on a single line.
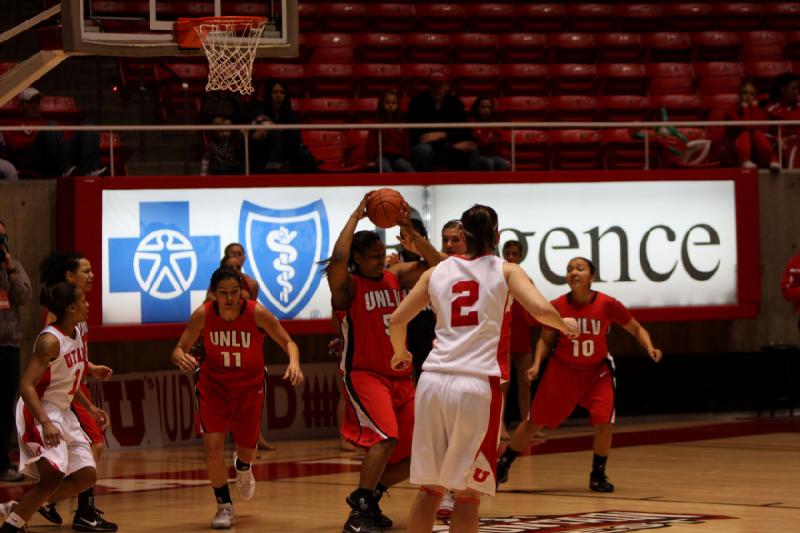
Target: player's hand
[(533, 372), (391, 259), (401, 361), (465, 146), (294, 375), (571, 329), (101, 372), (655, 354), (101, 417), (361, 210), (51, 435), (185, 362), (432, 136)]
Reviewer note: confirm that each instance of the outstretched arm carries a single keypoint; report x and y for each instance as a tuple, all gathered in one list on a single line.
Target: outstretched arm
[(522, 288), (643, 337), (410, 307), (339, 278), (274, 329)]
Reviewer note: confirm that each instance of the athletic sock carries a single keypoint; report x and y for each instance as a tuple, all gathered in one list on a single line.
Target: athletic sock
[(222, 494), (599, 464), (241, 465), (86, 500), (508, 456), (362, 499), (379, 491)]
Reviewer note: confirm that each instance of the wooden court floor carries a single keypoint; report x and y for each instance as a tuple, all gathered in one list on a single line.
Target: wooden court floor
[(720, 475)]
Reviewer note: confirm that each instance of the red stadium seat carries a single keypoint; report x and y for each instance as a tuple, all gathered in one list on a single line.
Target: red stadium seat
[(474, 79), (330, 48), (715, 46), (375, 78), (121, 153), (762, 45), (379, 47), (330, 79), (490, 17), (590, 17), (793, 45), (572, 108), (572, 78), (474, 47), (667, 46), (392, 17), (251, 9), (782, 15), (576, 149), (678, 106), (364, 110), (523, 108), (640, 17), (737, 16), (670, 78), (571, 47), (171, 93), (324, 110), (720, 102), (441, 17), (623, 108), (62, 109), (293, 77), (765, 72), (428, 47), (520, 79), (522, 48), (530, 150), (417, 75), (615, 47), (622, 78), (690, 16), (329, 147), (6, 66), (718, 77), (308, 15), (623, 151), (540, 18), (344, 17), (119, 8), (355, 148)]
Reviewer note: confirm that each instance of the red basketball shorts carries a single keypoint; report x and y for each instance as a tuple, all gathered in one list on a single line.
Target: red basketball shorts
[(225, 408), (87, 421), (563, 387), (379, 408)]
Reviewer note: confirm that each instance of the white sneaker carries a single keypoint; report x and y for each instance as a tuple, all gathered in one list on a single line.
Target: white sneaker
[(245, 481), (774, 168), (445, 510), (749, 164), (224, 517), (5, 509)]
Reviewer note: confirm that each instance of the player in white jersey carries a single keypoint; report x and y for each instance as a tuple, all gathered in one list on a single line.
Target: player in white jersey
[(46, 426), (458, 399)]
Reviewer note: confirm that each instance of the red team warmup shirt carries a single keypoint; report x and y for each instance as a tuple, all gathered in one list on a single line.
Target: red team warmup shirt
[(234, 350)]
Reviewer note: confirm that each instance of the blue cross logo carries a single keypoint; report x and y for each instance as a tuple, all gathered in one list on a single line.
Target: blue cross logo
[(164, 263)]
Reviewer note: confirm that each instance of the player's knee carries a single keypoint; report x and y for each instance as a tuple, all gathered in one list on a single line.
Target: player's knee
[(467, 497), (85, 478), (387, 445), (50, 478)]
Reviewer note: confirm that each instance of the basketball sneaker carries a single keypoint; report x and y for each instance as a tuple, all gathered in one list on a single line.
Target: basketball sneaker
[(245, 481), (374, 512), (5, 509), (50, 513), (360, 522), (503, 466), (445, 510), (598, 482), (92, 520), (224, 517)]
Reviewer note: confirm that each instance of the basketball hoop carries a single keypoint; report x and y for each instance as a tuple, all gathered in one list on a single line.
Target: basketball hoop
[(230, 45)]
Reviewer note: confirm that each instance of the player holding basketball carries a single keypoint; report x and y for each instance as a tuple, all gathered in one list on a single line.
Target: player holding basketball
[(48, 429), (75, 269), (458, 401), (230, 384), (581, 371)]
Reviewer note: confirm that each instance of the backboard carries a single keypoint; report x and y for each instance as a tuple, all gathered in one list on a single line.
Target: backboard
[(144, 28)]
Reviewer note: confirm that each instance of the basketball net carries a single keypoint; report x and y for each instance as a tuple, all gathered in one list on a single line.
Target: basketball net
[(230, 45)]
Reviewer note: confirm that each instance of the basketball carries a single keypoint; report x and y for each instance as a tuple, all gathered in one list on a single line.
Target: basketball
[(385, 208)]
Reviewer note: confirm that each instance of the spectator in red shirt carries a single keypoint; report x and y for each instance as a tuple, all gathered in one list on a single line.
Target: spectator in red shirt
[(748, 137), (783, 106), (395, 151), (487, 139), (790, 283)]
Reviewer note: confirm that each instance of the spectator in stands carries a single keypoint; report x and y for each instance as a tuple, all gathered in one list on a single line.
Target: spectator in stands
[(451, 147), (746, 138), (394, 147), (487, 139), (279, 150), (224, 152), (50, 153), (7, 169), (782, 105), (790, 283)]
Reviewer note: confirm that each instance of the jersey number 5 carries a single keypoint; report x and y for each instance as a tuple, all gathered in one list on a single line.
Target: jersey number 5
[(468, 291)]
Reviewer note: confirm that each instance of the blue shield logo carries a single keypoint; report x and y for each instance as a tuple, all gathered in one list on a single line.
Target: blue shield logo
[(284, 247)]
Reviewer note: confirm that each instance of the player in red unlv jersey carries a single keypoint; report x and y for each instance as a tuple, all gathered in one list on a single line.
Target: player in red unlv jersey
[(380, 400), (47, 427), (458, 400), (581, 371), (230, 383)]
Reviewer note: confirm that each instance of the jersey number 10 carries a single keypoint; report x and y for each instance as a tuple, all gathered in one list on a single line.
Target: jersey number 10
[(236, 359), (584, 348)]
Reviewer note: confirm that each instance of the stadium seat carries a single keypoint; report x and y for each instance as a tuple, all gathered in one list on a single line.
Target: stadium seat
[(342, 17), (292, 75), (764, 73), (372, 79), (571, 47), (622, 150), (573, 108), (475, 79), (530, 150), (308, 15), (364, 110), (690, 16), (474, 47), (623, 108), (678, 106), (640, 17), (720, 102), (251, 9), (490, 17), (121, 153), (622, 78), (718, 77), (5, 66), (379, 47), (793, 45), (468, 101), (616, 47), (589, 17), (417, 76), (330, 79), (520, 79), (118, 8), (670, 78), (392, 17), (324, 110), (540, 18), (355, 148), (762, 45), (715, 46), (576, 149), (329, 147), (737, 16), (523, 108), (330, 48), (172, 96), (522, 48), (666, 46), (572, 78), (782, 15), (438, 17), (61, 109), (427, 47)]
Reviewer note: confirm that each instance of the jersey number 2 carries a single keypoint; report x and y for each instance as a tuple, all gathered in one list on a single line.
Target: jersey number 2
[(468, 291)]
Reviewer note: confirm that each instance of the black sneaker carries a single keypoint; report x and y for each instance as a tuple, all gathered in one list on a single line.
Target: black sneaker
[(377, 516), (502, 471), (92, 520), (599, 483), (359, 522), (50, 513)]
